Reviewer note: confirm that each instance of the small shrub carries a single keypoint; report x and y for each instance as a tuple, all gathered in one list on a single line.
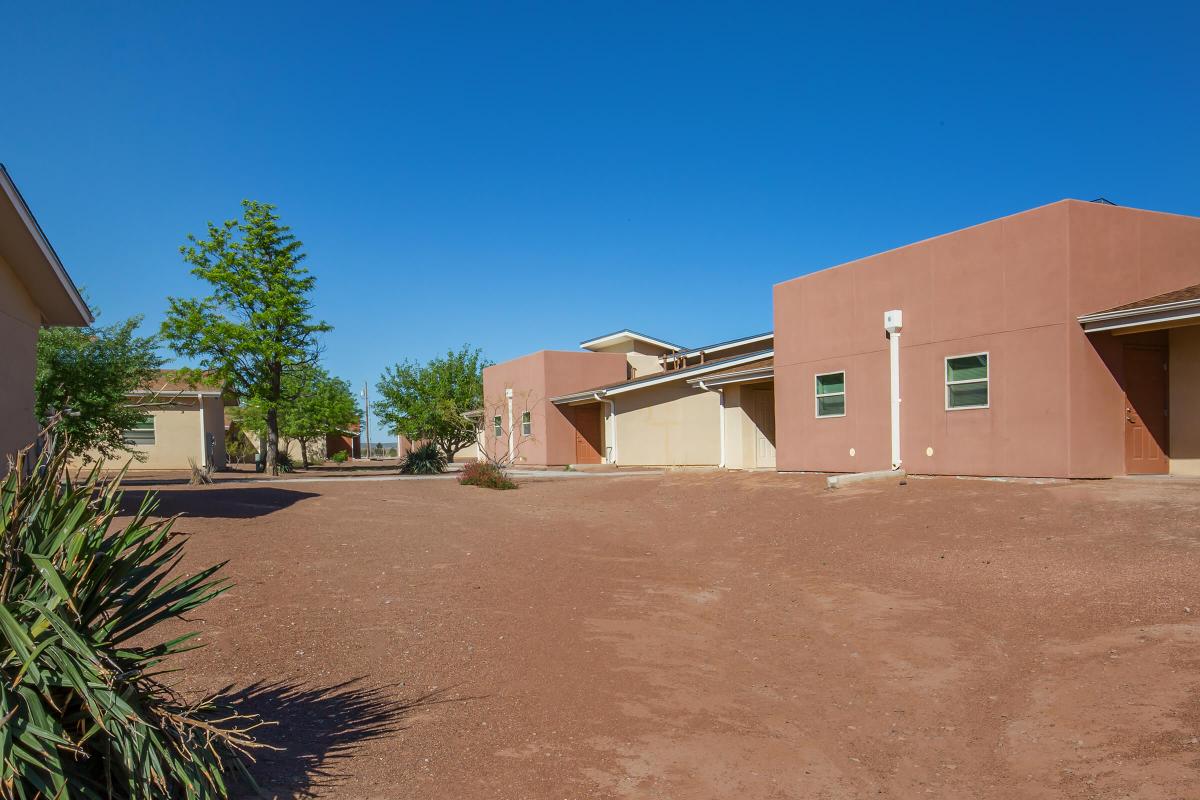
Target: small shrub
[(424, 460), (83, 712), (486, 475), (283, 459), (340, 457)]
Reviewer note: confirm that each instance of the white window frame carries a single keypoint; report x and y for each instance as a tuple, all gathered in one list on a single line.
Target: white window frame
[(153, 433), (817, 394), (988, 380), (497, 427), (526, 423)]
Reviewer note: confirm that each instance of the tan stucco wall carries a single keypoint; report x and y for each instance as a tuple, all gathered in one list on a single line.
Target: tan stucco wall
[(19, 322), (669, 425), (177, 436), (741, 430), (641, 365), (1184, 372)]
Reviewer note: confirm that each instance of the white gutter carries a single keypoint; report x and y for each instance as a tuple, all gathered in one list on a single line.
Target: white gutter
[(721, 417), (203, 432), (1136, 317), (892, 323), (612, 416), (508, 393)]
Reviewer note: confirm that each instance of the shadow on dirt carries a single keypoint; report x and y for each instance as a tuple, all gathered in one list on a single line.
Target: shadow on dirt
[(213, 502), (315, 728)]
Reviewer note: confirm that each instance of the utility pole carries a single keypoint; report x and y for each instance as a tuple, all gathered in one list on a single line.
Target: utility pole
[(366, 395)]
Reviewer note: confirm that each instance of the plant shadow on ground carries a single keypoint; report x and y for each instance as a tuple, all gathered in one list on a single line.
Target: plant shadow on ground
[(217, 503), (315, 728)]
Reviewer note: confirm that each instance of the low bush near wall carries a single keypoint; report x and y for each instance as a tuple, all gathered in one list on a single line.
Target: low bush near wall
[(486, 475), (424, 460), (82, 711), (340, 457)]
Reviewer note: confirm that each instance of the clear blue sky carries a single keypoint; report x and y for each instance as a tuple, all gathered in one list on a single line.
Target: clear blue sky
[(524, 176)]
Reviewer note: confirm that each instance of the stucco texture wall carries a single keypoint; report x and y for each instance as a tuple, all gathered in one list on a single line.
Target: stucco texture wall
[(19, 323), (1012, 288), (535, 379), (671, 424)]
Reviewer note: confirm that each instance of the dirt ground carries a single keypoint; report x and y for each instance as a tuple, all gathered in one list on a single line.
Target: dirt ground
[(709, 636)]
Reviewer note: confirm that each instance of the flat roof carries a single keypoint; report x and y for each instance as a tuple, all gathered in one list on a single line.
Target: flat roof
[(627, 335), (664, 377)]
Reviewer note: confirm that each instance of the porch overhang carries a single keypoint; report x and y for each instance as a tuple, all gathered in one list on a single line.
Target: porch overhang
[(1169, 310)]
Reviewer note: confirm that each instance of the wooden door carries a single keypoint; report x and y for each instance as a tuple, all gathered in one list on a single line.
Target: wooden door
[(1145, 410), (588, 434), (764, 428)]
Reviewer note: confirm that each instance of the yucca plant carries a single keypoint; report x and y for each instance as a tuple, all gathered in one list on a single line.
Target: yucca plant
[(426, 459), (83, 712)]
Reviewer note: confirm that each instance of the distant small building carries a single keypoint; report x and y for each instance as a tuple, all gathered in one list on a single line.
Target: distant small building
[(346, 441), (35, 291), (184, 422)]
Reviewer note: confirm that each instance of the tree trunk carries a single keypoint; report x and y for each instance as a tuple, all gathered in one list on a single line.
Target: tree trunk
[(449, 450), (303, 452), (272, 441)]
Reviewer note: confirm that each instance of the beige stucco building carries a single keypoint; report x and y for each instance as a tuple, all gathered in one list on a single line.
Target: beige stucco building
[(35, 290), (185, 423)]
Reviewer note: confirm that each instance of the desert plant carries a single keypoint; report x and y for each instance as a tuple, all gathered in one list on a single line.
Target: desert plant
[(82, 712), (486, 475), (283, 460), (426, 459), (340, 457)]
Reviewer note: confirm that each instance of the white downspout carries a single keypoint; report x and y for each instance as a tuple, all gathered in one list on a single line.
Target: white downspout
[(892, 323), (508, 393), (721, 417), (203, 432), (612, 416)]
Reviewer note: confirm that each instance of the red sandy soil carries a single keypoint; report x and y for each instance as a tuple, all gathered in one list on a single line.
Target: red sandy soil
[(709, 636)]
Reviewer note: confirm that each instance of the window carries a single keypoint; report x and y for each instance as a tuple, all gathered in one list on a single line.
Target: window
[(831, 394), (526, 424), (967, 381), (142, 433), (496, 430)]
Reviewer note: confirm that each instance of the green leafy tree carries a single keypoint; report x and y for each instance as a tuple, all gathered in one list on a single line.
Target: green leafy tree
[(427, 401), (90, 373), (315, 404), (256, 327)]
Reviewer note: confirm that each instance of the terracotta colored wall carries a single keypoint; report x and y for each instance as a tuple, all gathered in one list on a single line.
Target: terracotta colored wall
[(1118, 255), (1012, 287), (535, 379), (19, 322)]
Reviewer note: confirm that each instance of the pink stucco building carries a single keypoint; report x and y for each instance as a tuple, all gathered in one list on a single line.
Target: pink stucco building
[(1060, 341)]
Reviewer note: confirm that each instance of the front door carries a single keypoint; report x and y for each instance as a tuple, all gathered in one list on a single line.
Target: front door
[(588, 434), (764, 428), (1145, 410)]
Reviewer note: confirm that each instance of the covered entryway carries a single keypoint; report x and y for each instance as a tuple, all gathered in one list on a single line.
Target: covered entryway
[(1154, 354), (747, 420), (760, 407), (589, 434)]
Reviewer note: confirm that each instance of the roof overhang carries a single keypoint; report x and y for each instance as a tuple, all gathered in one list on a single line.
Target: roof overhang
[(742, 376), (1163, 315), (732, 343), (28, 252), (175, 393), (658, 380), (626, 335)]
